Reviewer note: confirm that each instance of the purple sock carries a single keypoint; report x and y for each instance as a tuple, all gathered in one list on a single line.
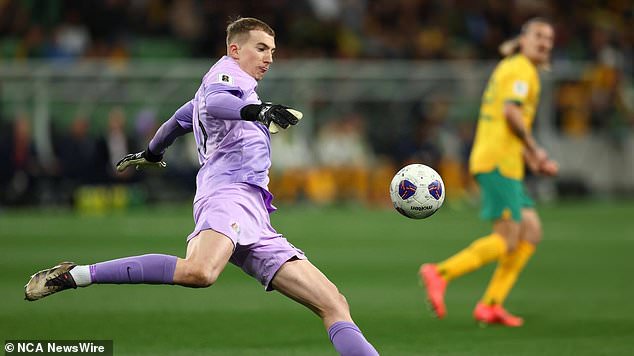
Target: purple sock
[(348, 340), (150, 269)]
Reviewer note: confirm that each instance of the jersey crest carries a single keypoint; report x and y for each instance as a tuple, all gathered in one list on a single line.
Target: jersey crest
[(225, 78), (520, 88)]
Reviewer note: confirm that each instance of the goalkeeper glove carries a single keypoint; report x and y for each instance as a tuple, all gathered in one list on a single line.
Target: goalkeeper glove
[(273, 116), (139, 159)]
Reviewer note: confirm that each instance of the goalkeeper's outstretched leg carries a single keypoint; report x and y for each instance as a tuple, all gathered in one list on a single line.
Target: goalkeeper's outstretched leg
[(207, 255), (301, 281)]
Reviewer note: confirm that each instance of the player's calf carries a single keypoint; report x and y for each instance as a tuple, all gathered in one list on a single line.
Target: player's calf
[(332, 308), (195, 275)]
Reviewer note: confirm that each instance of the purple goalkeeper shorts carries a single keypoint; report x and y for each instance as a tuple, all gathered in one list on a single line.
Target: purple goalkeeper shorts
[(240, 211)]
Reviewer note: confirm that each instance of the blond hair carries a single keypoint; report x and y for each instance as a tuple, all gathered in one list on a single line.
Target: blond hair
[(238, 29), (512, 45)]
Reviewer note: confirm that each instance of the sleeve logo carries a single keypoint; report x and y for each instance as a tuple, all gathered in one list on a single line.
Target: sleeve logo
[(225, 78), (520, 88)]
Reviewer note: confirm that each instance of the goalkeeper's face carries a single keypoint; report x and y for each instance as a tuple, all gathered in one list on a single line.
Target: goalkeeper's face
[(253, 52)]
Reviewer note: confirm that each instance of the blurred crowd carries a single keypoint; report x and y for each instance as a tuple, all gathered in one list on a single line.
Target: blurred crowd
[(339, 163), (350, 157), (412, 29), (82, 158)]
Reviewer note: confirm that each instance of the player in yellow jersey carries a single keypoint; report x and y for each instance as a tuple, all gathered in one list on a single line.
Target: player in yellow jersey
[(503, 145)]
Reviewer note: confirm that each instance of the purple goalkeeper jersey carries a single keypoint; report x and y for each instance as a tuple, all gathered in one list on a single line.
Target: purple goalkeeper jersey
[(230, 150)]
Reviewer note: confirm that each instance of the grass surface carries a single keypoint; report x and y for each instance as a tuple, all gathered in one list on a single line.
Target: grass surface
[(576, 293)]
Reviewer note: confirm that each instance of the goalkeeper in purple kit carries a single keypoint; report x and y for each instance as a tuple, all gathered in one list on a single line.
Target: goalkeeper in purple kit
[(232, 130)]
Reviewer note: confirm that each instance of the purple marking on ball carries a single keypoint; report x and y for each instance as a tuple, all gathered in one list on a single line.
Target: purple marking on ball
[(435, 189), (406, 189)]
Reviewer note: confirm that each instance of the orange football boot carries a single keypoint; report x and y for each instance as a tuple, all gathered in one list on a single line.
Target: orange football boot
[(435, 286), (495, 314)]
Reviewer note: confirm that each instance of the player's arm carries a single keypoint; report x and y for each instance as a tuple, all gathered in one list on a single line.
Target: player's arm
[(226, 105), (531, 162), (535, 157), (179, 124), (514, 117), (515, 86)]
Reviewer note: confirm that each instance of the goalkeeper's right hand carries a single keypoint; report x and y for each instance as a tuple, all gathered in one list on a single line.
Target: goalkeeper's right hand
[(140, 159)]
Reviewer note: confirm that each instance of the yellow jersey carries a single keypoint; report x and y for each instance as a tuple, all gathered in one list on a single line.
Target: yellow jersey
[(515, 79)]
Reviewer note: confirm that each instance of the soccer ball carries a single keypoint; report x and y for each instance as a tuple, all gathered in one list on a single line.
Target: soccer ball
[(417, 191)]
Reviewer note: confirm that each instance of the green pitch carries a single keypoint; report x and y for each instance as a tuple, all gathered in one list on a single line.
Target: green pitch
[(576, 294)]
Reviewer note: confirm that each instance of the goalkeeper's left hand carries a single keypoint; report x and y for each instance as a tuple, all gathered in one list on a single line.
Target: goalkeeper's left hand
[(140, 159), (273, 116)]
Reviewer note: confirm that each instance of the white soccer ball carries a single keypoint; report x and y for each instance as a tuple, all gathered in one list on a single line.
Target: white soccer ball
[(417, 191)]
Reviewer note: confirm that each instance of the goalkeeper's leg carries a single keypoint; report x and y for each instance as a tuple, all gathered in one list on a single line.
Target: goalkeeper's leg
[(207, 255), (301, 281)]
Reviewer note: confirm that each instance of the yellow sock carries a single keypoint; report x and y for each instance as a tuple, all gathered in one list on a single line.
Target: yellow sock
[(506, 273), (479, 253)]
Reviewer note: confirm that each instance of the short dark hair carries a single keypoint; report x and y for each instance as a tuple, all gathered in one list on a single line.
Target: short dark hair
[(243, 25)]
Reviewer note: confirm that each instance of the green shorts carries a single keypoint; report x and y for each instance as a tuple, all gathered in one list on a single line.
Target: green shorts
[(502, 197)]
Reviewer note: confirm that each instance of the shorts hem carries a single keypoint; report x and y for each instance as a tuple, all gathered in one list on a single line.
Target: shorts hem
[(198, 231), (268, 287)]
